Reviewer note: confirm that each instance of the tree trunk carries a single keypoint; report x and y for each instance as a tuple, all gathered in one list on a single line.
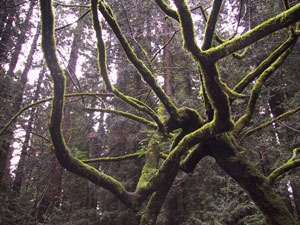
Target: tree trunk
[(6, 41), (296, 194), (233, 161), (21, 40), (20, 169), (6, 144)]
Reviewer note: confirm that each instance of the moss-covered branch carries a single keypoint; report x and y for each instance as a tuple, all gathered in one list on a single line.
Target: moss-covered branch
[(187, 28), (43, 101), (171, 164), (121, 158), (233, 160), (282, 116), (211, 24), (219, 39), (288, 166), (274, 24), (192, 158), (62, 152), (125, 114), (167, 9), (151, 163), (143, 70), (208, 108), (218, 99), (113, 158), (102, 63), (265, 63), (241, 123)]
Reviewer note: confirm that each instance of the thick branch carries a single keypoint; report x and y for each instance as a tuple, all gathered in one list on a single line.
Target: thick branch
[(61, 150), (218, 99), (187, 27), (171, 164), (233, 160), (211, 24), (192, 158), (274, 24), (167, 9)]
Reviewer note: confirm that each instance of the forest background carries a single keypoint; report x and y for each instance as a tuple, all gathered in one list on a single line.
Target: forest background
[(128, 125)]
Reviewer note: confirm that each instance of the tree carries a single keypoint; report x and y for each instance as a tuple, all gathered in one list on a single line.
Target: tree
[(192, 136)]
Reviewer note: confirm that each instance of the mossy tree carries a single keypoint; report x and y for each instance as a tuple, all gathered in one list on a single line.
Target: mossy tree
[(216, 135)]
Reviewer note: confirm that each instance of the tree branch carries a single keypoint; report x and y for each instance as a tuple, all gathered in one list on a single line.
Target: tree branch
[(125, 114), (265, 64), (289, 165), (113, 159), (43, 101), (187, 28), (102, 63), (211, 24), (171, 164), (241, 123), (274, 24), (139, 65), (167, 9), (283, 115), (62, 152)]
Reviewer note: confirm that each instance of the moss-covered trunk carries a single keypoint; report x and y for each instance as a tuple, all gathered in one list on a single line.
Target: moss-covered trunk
[(234, 162)]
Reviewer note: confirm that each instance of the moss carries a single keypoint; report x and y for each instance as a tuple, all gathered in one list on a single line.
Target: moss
[(276, 23), (142, 69), (255, 91), (234, 162), (187, 29), (189, 120), (151, 163)]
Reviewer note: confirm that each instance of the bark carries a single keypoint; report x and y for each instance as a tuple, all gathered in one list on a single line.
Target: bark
[(233, 161)]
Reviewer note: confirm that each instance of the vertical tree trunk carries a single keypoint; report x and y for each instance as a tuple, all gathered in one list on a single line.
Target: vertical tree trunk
[(7, 34), (296, 193), (6, 144), (167, 64), (21, 40), (20, 169)]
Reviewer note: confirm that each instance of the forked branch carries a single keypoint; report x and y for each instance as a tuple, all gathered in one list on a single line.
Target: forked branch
[(143, 70)]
